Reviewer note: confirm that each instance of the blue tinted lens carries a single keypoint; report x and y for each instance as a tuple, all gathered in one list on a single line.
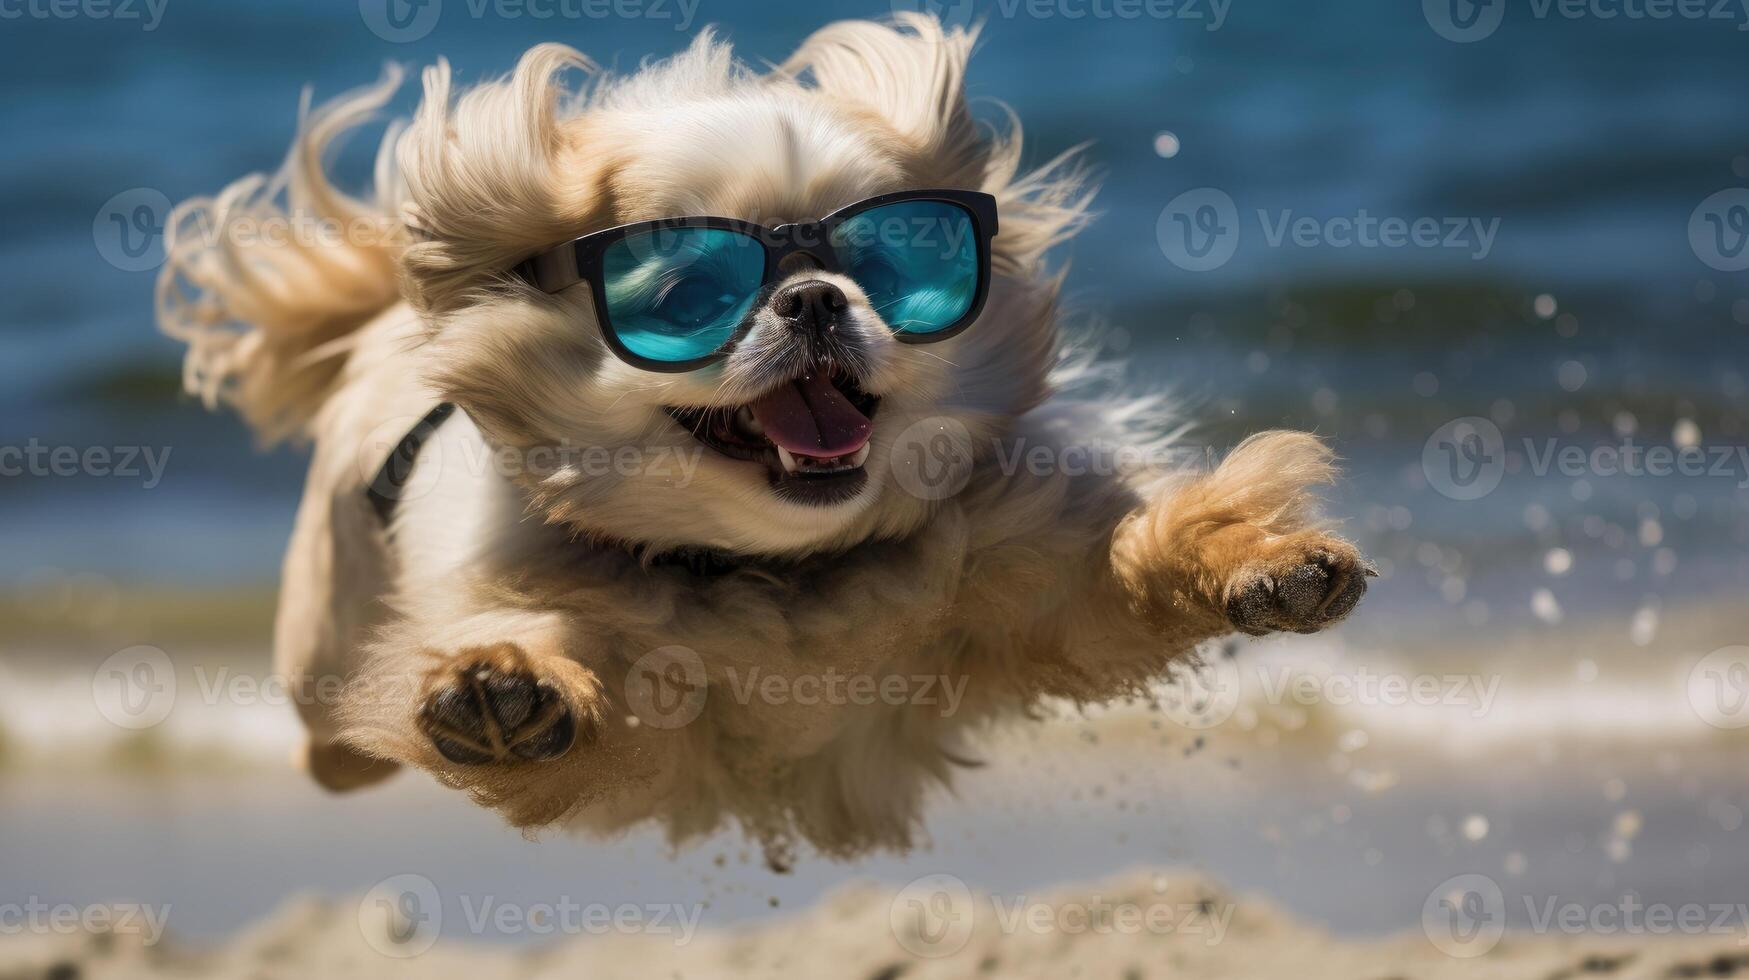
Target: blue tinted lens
[(677, 294), (916, 260)]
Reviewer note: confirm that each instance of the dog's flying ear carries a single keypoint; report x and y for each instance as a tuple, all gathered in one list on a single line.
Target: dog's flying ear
[(912, 74), (479, 174)]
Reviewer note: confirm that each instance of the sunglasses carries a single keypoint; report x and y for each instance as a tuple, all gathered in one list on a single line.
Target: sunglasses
[(677, 293)]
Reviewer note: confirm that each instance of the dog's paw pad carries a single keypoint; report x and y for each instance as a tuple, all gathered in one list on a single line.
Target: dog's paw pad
[(1306, 588), (491, 707)]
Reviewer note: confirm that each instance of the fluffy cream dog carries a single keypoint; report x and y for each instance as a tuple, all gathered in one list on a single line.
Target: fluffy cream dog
[(584, 610)]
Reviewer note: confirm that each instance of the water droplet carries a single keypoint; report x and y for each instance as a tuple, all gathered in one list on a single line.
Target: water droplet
[(1558, 562), (1475, 827)]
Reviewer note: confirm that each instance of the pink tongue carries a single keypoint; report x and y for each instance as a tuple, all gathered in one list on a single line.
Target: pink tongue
[(810, 417)]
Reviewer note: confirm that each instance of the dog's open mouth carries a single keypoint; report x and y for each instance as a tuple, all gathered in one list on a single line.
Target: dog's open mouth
[(812, 434)]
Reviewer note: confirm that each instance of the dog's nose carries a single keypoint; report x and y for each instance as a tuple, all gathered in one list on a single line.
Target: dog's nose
[(810, 306)]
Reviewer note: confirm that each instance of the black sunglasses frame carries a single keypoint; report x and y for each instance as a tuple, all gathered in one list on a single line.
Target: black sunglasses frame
[(580, 260)]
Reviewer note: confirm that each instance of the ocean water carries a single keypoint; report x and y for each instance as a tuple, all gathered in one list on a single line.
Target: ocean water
[(1564, 161)]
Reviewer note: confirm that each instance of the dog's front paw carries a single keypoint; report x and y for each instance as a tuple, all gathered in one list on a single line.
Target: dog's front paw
[(1304, 583), (489, 705)]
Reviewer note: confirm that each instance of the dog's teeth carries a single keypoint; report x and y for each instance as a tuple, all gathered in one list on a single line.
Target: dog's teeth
[(859, 457), (789, 460), (744, 418)]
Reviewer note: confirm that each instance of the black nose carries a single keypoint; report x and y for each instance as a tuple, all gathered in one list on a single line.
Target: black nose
[(810, 306)]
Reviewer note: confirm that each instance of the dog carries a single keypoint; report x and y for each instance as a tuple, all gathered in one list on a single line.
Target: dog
[(604, 539)]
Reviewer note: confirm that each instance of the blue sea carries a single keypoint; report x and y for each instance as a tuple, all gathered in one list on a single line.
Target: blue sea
[(1421, 229)]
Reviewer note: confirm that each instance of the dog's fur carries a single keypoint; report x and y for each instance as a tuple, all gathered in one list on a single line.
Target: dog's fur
[(1025, 585)]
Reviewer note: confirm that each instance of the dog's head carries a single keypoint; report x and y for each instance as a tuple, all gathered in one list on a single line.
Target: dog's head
[(719, 456)]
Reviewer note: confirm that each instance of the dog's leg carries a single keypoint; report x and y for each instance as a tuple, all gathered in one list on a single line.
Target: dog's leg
[(335, 572), (1238, 549), (472, 686), (505, 703)]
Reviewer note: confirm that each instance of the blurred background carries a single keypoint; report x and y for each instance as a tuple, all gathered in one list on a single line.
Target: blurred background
[(1494, 252)]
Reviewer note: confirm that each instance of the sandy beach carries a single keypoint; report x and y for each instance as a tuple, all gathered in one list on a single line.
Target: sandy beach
[(1287, 814), (1127, 928)]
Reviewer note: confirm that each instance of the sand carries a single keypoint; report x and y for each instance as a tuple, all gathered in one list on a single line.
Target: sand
[(1128, 928)]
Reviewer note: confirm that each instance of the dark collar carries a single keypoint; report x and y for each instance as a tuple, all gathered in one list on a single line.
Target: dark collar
[(390, 483)]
